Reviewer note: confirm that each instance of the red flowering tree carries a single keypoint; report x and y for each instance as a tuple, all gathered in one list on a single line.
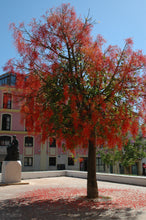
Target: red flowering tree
[(73, 89)]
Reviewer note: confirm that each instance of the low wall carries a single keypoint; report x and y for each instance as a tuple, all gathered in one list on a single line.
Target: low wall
[(42, 174), (116, 178), (124, 179)]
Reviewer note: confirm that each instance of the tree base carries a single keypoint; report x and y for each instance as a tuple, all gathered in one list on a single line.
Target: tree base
[(92, 194)]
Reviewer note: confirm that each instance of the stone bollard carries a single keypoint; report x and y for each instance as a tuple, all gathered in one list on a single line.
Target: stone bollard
[(11, 171)]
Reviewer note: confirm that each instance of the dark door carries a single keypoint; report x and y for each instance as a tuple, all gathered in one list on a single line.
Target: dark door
[(83, 164), (135, 169)]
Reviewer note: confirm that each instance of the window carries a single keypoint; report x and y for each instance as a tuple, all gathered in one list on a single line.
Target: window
[(53, 142), (6, 122), (100, 165), (5, 140), (99, 161), (7, 100), (25, 129), (28, 161), (8, 79), (70, 161), (28, 141), (52, 161)]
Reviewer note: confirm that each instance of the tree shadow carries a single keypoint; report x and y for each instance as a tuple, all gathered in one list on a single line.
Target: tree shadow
[(78, 207)]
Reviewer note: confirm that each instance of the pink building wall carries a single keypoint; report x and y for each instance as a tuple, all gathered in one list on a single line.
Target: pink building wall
[(18, 128)]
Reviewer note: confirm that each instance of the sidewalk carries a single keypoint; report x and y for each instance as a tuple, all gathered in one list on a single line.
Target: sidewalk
[(64, 198)]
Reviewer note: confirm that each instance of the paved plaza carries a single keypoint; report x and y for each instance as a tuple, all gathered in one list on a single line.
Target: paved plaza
[(38, 199)]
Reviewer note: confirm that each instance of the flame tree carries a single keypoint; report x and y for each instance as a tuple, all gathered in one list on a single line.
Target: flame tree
[(75, 90)]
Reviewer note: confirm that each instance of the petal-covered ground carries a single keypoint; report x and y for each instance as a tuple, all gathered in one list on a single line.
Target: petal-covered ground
[(118, 198), (72, 203), (64, 198)]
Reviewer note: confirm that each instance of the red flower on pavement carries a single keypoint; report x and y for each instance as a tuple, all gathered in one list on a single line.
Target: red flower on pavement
[(76, 198)]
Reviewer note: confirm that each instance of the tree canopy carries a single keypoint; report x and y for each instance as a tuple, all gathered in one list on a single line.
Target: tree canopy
[(72, 86)]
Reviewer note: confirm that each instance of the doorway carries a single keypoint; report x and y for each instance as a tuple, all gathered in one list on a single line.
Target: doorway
[(84, 164)]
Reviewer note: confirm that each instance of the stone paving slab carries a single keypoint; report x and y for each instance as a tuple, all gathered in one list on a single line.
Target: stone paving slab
[(10, 192)]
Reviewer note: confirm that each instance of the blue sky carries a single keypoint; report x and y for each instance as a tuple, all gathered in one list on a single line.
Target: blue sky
[(116, 20)]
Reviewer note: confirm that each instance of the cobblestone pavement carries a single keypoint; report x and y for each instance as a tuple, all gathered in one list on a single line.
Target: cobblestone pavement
[(9, 209)]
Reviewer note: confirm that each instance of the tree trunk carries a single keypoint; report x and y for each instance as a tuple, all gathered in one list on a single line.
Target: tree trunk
[(92, 190)]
